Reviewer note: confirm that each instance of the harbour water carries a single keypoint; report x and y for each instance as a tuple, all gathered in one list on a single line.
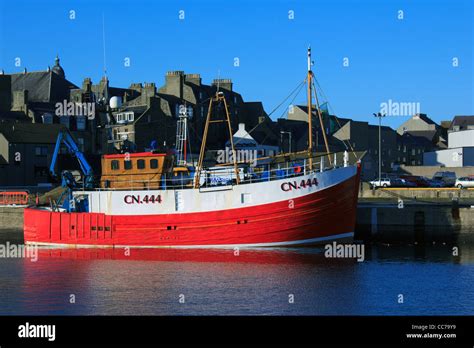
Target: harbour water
[(392, 280)]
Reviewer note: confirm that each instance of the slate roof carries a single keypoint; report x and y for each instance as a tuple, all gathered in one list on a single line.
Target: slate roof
[(426, 119), (30, 133), (408, 138), (427, 134), (462, 122), (14, 116), (42, 86)]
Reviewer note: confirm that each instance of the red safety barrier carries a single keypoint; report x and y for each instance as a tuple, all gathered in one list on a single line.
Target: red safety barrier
[(10, 198)]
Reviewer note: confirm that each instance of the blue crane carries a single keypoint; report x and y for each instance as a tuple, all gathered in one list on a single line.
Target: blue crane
[(67, 179)]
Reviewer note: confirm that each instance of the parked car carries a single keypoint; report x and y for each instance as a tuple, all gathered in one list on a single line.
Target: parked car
[(435, 182), (398, 182), (418, 181), (384, 182), (449, 178), (406, 183), (464, 182)]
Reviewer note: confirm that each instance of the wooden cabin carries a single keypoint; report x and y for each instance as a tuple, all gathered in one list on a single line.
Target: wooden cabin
[(141, 170)]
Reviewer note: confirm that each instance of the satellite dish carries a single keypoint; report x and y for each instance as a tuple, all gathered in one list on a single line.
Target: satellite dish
[(115, 102)]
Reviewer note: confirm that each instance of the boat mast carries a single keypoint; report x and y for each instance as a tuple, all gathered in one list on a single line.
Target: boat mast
[(219, 97), (318, 110), (310, 118)]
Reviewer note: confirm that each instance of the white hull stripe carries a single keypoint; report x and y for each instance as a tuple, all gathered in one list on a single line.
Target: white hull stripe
[(218, 246)]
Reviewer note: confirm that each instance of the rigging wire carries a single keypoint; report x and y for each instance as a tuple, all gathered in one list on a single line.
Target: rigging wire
[(292, 100), (334, 114), (297, 90), (300, 85)]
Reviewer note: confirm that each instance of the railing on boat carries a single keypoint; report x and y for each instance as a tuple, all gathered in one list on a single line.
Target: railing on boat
[(286, 167)]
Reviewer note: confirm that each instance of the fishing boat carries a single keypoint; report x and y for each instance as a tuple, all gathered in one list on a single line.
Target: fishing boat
[(294, 199)]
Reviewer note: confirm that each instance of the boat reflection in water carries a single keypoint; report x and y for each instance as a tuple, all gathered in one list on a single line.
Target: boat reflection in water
[(250, 282), (151, 281)]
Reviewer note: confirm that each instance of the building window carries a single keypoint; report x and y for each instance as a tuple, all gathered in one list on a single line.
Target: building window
[(80, 142), (115, 165), (41, 151), (125, 117), (81, 123), (153, 163), (141, 164), (128, 165), (65, 121), (413, 152), (40, 172)]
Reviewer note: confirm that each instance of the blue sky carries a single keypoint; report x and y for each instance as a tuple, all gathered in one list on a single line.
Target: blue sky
[(403, 60)]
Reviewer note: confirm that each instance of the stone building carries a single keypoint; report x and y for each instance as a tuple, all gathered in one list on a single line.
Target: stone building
[(460, 152), (420, 125), (36, 93), (25, 152), (188, 89), (365, 137)]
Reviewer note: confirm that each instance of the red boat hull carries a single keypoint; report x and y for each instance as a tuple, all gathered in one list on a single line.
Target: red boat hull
[(316, 218)]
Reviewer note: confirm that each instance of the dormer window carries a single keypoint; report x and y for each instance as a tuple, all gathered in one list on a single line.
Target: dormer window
[(125, 117)]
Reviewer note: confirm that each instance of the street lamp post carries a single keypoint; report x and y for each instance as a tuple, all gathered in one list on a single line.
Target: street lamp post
[(379, 116), (289, 139)]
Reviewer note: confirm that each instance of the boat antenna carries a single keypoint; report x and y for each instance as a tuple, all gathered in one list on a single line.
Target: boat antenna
[(103, 44), (106, 92), (310, 114)]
